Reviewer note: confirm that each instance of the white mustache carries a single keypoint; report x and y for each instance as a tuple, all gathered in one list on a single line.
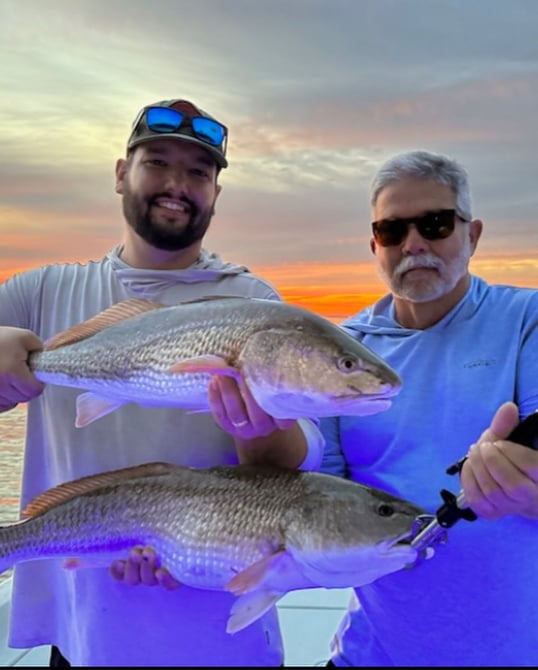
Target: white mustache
[(415, 262)]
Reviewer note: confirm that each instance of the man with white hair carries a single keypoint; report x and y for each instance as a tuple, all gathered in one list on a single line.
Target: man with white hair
[(468, 356)]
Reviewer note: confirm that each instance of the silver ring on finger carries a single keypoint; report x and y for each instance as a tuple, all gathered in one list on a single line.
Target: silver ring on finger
[(240, 424)]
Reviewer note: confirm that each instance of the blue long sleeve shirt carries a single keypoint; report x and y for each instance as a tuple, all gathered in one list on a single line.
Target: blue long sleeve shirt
[(475, 601)]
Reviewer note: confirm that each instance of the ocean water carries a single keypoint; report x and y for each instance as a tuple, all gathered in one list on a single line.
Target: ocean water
[(12, 432)]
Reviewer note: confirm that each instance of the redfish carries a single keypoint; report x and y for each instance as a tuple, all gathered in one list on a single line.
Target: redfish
[(295, 362), (255, 531)]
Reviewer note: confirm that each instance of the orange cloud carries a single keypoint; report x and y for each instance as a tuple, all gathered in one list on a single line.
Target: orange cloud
[(337, 291)]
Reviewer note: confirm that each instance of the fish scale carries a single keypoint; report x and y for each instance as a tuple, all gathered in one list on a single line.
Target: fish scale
[(187, 529), (295, 363)]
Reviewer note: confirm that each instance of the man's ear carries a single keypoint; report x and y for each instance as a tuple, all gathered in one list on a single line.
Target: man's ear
[(121, 171), (218, 189), (372, 245), (475, 231)]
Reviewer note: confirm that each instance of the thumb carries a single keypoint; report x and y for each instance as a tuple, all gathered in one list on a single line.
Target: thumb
[(505, 420)]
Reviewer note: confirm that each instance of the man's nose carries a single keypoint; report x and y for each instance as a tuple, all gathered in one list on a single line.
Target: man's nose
[(414, 242), (177, 177)]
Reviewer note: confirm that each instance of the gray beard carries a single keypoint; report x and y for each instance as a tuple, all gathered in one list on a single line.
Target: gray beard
[(440, 283)]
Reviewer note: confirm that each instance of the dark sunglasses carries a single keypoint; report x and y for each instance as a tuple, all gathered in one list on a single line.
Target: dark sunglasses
[(168, 120), (431, 226)]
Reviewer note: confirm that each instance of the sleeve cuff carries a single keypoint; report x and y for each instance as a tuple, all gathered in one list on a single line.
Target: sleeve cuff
[(315, 443)]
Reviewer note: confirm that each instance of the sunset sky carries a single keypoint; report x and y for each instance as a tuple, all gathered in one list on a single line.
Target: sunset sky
[(316, 93)]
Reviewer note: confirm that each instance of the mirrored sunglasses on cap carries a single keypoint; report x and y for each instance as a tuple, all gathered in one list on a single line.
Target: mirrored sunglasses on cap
[(166, 120), (436, 225)]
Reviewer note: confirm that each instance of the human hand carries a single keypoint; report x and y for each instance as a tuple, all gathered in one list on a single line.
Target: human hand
[(500, 477), (143, 567), (236, 411), (17, 382)]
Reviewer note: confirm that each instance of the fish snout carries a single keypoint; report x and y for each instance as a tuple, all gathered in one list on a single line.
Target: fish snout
[(389, 380), (391, 388)]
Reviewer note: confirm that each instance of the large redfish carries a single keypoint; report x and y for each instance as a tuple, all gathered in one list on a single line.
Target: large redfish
[(256, 531), (295, 362)]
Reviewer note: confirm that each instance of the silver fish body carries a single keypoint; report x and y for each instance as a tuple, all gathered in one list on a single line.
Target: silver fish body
[(295, 362), (256, 531)]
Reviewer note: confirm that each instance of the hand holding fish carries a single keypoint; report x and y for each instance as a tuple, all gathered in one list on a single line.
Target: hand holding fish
[(500, 477), (17, 382), (143, 567), (236, 411), (259, 437)]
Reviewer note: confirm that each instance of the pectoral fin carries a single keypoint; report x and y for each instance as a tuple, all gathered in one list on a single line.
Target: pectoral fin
[(91, 407), (256, 574), (206, 364), (254, 588), (249, 608)]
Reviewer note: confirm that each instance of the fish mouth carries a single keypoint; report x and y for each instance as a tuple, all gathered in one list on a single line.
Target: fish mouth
[(358, 395), (419, 524), (363, 405), (386, 391), (404, 539)]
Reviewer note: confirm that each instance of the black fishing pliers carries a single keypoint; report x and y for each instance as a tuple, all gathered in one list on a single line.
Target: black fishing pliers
[(430, 529)]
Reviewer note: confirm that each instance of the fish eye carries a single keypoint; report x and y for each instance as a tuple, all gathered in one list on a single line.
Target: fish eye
[(384, 509), (347, 363)]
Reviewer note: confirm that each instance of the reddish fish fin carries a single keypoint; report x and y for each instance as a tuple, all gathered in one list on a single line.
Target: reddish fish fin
[(250, 578), (249, 608), (68, 490), (121, 311), (205, 364)]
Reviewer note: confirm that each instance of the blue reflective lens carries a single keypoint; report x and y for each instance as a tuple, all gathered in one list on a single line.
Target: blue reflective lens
[(163, 119), (166, 120), (208, 130)]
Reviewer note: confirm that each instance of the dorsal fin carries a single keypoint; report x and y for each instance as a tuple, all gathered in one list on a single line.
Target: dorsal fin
[(108, 317), (63, 492), (208, 298)]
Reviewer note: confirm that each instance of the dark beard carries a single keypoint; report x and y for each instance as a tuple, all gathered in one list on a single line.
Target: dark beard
[(138, 216)]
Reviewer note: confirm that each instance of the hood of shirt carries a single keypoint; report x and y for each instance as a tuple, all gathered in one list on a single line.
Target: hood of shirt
[(208, 267), (380, 319)]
